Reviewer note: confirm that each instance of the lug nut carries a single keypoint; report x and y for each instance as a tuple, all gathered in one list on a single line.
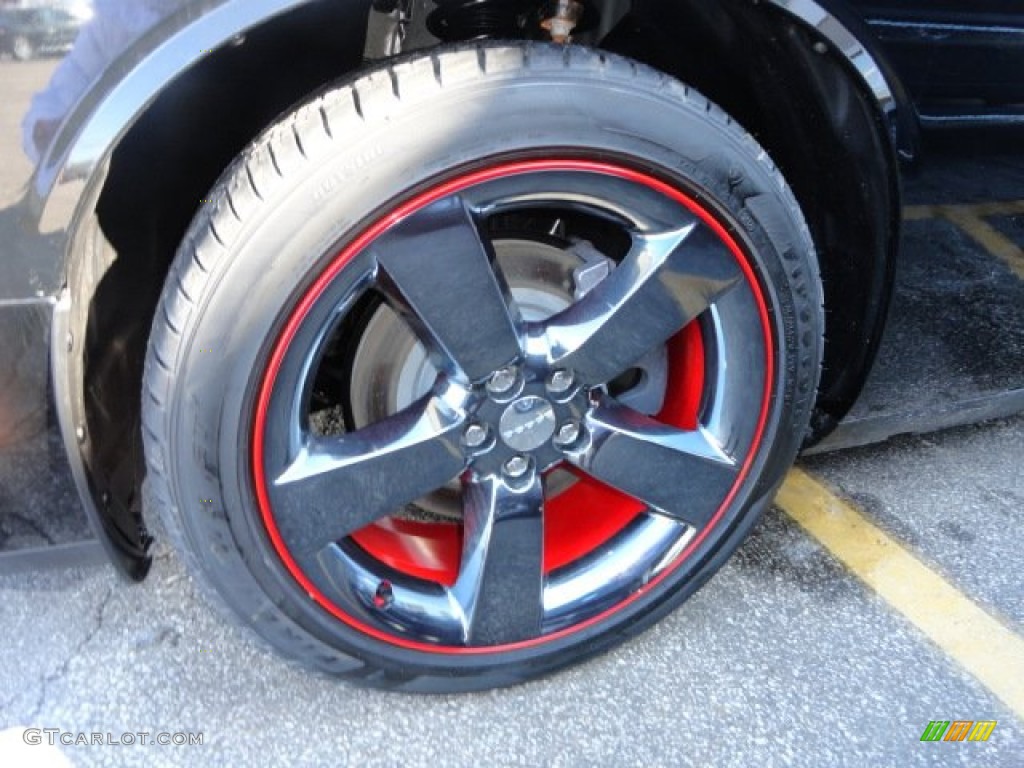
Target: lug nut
[(502, 380), (567, 434), (517, 466), (474, 436), (559, 381), (383, 596)]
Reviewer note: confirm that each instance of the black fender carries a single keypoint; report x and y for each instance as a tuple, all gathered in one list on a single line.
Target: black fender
[(850, 34), (806, 79), (61, 203)]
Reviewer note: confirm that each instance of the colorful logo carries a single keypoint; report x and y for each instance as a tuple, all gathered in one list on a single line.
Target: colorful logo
[(958, 730)]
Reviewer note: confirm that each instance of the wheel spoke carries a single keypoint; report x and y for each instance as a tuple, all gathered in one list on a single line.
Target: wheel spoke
[(339, 484), (680, 473), (667, 280), (500, 582), (439, 271)]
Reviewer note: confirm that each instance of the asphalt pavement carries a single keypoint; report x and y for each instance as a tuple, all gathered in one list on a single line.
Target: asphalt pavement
[(784, 658), (807, 649)]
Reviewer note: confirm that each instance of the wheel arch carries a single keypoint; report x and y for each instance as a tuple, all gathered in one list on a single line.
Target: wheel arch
[(103, 175), (851, 108), (808, 81)]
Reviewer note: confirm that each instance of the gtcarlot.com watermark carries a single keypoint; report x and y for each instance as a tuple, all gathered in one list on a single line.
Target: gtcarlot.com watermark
[(56, 737)]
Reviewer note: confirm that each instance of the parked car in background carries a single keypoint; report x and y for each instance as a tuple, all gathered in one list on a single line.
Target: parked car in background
[(457, 342), (27, 33)]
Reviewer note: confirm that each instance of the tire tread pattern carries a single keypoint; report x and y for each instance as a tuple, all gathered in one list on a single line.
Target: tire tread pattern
[(265, 172)]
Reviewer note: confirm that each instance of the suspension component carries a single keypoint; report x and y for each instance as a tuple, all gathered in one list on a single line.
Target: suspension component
[(461, 20), (562, 18), (386, 28)]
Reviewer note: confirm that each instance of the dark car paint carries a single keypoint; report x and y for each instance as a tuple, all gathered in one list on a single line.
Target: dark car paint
[(963, 62), (43, 222)]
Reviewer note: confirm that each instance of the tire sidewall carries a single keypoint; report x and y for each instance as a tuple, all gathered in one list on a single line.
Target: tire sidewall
[(399, 147)]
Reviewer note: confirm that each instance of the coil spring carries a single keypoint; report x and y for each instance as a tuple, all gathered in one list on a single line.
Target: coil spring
[(459, 20)]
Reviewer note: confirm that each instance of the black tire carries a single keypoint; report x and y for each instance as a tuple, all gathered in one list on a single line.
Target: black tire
[(220, 353)]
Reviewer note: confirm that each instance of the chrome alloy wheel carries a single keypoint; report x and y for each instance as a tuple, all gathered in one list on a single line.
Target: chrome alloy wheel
[(574, 494)]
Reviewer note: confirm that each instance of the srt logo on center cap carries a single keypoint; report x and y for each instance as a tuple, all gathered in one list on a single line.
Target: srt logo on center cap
[(527, 423)]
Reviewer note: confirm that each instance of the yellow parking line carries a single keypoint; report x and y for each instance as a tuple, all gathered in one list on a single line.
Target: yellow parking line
[(980, 643), (995, 208), (971, 219), (919, 212), (981, 210), (990, 238)]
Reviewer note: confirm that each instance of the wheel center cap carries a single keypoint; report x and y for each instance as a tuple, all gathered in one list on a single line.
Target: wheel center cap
[(527, 423)]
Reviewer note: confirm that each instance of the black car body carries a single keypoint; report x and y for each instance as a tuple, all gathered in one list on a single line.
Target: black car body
[(838, 93), (29, 32)]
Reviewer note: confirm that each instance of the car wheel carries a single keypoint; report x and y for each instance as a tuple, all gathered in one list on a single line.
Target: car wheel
[(479, 364), (22, 48)]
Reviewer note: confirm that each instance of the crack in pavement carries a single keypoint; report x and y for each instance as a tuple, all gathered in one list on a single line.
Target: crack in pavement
[(64, 666)]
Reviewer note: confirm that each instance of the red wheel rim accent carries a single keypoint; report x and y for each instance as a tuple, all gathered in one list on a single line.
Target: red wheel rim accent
[(680, 410)]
